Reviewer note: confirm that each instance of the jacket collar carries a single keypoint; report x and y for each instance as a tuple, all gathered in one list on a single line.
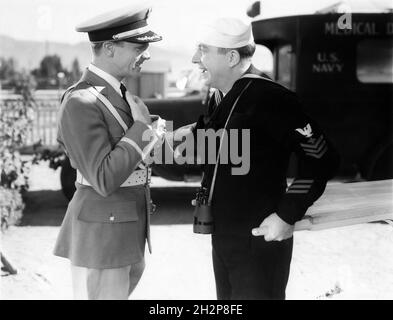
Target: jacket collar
[(107, 77), (255, 73), (221, 106), (106, 89)]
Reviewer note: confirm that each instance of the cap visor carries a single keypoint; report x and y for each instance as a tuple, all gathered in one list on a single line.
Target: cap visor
[(146, 37)]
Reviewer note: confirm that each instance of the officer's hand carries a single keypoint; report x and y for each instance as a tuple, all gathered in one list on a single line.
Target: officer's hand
[(138, 109), (273, 228), (159, 126)]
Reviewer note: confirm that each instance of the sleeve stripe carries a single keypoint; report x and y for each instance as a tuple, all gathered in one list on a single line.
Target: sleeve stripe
[(313, 145), (296, 183), (133, 143), (323, 144), (297, 191), (303, 181), (300, 187), (318, 155)]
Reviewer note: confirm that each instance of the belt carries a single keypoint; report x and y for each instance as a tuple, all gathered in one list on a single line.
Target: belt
[(137, 178)]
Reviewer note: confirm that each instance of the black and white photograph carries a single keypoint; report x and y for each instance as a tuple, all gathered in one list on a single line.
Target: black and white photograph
[(203, 151)]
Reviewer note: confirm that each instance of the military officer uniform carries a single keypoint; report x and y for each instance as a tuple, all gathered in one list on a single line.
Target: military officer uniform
[(107, 221)]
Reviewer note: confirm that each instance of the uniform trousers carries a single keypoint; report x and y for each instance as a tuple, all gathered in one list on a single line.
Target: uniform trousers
[(249, 268), (105, 284)]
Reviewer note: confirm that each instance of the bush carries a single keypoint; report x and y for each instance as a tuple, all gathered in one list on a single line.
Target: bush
[(11, 207), (15, 123)]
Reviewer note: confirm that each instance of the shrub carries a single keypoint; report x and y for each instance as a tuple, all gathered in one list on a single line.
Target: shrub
[(15, 123), (11, 207)]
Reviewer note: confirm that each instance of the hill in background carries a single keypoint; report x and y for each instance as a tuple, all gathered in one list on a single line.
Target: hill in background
[(28, 55)]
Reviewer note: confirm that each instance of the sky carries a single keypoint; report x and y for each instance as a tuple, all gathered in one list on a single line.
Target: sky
[(175, 20)]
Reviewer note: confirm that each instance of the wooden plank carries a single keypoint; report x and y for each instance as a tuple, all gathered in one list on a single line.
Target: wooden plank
[(345, 204)]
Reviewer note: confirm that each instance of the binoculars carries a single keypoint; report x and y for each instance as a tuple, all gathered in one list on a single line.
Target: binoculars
[(203, 217)]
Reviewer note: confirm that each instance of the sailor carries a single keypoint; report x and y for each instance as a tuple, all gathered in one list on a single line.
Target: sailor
[(253, 210)]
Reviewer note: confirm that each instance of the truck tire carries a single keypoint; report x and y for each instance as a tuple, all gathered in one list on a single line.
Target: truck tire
[(383, 166), (378, 165), (67, 179)]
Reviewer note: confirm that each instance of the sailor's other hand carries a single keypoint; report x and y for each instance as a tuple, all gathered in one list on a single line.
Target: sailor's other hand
[(183, 131), (273, 228), (138, 109)]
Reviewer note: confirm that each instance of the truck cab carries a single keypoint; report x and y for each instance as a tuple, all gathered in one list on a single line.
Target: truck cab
[(344, 78)]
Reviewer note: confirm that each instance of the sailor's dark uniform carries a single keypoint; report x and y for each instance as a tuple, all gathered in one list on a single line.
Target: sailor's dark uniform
[(248, 267)]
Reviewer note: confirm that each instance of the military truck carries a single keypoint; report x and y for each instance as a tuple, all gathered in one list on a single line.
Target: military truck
[(344, 79), (343, 76)]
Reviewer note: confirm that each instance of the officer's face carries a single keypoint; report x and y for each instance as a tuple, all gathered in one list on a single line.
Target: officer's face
[(213, 65), (129, 57)]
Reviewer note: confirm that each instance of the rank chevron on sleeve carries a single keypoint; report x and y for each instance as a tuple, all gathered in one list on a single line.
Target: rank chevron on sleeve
[(300, 186), (315, 149)]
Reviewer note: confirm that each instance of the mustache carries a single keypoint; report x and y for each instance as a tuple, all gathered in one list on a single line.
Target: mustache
[(145, 56)]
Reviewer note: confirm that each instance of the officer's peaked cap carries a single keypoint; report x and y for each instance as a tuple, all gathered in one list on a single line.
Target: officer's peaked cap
[(124, 24)]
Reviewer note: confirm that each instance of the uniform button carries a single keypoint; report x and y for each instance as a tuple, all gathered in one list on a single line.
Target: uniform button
[(111, 218)]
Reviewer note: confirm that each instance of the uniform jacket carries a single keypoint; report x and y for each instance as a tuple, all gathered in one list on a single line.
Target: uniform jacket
[(105, 226), (278, 127)]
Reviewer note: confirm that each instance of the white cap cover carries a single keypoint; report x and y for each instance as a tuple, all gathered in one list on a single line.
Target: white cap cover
[(228, 33)]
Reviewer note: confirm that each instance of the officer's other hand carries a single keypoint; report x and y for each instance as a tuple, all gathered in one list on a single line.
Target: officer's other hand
[(273, 228), (160, 127), (138, 108)]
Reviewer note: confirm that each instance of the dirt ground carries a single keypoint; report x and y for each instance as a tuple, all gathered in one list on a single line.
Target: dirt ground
[(353, 262)]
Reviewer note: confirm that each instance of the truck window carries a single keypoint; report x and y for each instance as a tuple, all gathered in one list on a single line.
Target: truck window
[(375, 61), (284, 66)]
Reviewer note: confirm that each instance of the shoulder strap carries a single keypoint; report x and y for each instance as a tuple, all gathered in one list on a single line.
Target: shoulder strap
[(109, 106), (68, 90), (219, 149)]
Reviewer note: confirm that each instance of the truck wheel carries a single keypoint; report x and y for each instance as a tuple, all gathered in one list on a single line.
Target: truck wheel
[(67, 179), (383, 166)]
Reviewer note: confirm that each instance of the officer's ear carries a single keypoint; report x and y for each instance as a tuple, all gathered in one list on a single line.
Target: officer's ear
[(233, 57), (109, 48)]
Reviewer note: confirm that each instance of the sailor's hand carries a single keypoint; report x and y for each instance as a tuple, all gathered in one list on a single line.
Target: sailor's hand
[(138, 109), (273, 228), (183, 131)]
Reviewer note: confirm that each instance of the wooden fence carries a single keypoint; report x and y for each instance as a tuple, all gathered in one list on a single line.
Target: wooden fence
[(44, 127)]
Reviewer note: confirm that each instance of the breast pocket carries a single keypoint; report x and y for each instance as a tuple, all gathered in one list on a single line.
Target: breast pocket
[(109, 212)]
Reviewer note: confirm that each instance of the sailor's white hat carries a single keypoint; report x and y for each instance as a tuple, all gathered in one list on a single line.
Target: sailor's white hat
[(226, 32)]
